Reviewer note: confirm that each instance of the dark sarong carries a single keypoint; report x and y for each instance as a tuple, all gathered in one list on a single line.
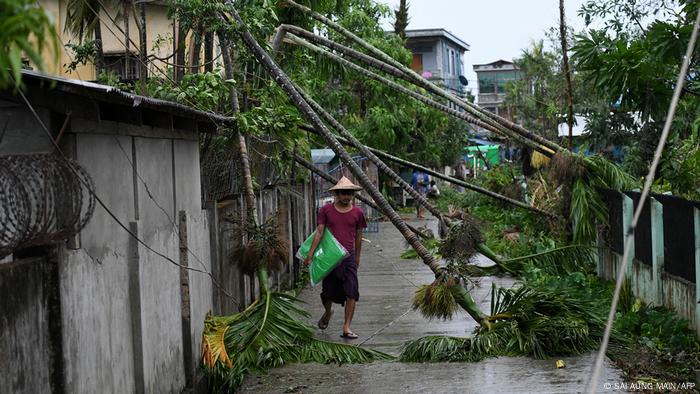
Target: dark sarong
[(341, 283)]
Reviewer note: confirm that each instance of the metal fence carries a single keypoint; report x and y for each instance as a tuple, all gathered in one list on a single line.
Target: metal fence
[(679, 249)]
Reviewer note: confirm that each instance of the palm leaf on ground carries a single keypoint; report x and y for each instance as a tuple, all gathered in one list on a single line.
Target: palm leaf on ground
[(542, 318), (270, 333)]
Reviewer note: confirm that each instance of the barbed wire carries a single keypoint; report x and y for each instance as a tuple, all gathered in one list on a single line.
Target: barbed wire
[(42, 199)]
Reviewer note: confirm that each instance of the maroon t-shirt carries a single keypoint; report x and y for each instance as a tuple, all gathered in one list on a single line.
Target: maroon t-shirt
[(342, 225)]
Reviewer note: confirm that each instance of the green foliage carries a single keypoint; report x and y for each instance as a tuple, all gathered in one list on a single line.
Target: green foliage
[(207, 91), (432, 244), (205, 16), (632, 63), (373, 112), (658, 329), (559, 261), (83, 54), (546, 316), (26, 31), (266, 335)]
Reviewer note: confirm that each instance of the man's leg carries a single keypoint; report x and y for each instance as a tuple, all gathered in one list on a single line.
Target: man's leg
[(349, 312), (328, 305)]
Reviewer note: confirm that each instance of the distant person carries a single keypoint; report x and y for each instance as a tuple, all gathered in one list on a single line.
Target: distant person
[(460, 173), (419, 182), (345, 221), (433, 191)]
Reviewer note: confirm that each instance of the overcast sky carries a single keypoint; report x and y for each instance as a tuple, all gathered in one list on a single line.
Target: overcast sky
[(494, 29)]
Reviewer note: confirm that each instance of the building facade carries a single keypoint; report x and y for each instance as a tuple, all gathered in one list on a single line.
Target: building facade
[(493, 78), (438, 55), (120, 60)]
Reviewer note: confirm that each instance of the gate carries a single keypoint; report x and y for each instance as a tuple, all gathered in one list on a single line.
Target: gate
[(369, 168)]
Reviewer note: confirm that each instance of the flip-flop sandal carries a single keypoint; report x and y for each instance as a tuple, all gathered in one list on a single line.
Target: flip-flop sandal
[(349, 335), (324, 324)]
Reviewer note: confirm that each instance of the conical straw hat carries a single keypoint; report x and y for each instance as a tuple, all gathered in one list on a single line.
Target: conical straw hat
[(345, 184)]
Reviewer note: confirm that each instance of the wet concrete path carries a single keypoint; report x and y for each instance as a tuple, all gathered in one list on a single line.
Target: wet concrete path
[(384, 320)]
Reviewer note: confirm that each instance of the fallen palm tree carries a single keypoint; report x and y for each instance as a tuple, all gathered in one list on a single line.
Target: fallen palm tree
[(452, 180), (266, 324), (270, 332), (386, 62), (423, 98), (464, 299), (558, 316), (586, 205)]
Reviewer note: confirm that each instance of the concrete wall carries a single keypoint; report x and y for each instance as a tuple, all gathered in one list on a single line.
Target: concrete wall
[(26, 364), (102, 313)]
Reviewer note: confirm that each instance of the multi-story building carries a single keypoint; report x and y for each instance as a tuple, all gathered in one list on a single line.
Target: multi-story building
[(438, 55), (161, 33), (493, 78)]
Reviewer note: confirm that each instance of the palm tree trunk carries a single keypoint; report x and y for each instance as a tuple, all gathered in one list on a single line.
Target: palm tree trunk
[(125, 11), (99, 55), (284, 82), (472, 108), (423, 99), (250, 200), (208, 52), (567, 74), (179, 68), (444, 177), (308, 165), (282, 30), (143, 47)]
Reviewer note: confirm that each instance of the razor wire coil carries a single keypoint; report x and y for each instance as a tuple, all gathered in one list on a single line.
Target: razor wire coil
[(43, 198)]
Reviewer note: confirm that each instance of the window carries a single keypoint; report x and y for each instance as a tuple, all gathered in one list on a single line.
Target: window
[(114, 63), (487, 83), (452, 62)]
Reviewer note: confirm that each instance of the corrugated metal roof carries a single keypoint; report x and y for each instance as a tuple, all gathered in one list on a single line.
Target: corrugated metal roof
[(111, 94)]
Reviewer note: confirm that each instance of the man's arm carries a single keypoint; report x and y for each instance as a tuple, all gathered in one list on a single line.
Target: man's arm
[(314, 244), (358, 246)]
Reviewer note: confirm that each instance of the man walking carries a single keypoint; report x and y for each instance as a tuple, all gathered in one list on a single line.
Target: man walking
[(345, 221), (419, 182)]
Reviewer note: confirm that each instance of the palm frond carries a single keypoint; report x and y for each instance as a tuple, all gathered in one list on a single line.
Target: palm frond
[(543, 318), (435, 349), (324, 352), (604, 173), (587, 207), (270, 333), (432, 244), (559, 261)]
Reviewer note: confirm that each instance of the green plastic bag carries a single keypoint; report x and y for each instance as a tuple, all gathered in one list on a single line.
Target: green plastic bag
[(328, 254)]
